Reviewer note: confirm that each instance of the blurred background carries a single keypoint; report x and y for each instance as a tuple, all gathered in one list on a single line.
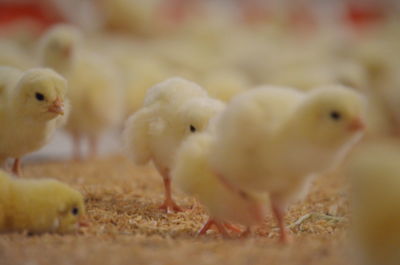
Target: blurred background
[(226, 46)]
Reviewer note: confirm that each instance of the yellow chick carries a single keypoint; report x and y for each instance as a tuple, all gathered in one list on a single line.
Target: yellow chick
[(374, 171), (275, 139), (95, 88), (172, 110), (38, 206), (193, 175), (11, 54), (225, 84), (31, 109)]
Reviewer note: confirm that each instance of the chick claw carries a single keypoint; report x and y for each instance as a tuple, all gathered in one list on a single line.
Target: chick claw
[(207, 226), (170, 206), (233, 228)]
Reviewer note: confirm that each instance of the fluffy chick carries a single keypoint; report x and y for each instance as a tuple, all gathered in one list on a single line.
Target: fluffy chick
[(374, 171), (95, 89), (38, 206), (172, 110), (31, 109), (274, 139), (225, 84), (193, 175)]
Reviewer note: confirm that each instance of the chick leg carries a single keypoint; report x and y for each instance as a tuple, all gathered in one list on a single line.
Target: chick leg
[(76, 147), (232, 227), (279, 213), (16, 169), (207, 226), (93, 146), (3, 163), (246, 233), (169, 204)]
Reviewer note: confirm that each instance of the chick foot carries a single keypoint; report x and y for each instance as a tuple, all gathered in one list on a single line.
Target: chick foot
[(16, 169), (207, 226), (233, 228), (170, 206), (279, 213)]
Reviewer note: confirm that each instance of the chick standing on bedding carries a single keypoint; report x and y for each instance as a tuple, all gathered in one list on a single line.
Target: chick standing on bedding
[(374, 171), (274, 139), (192, 174), (31, 105), (38, 206), (172, 110), (95, 89)]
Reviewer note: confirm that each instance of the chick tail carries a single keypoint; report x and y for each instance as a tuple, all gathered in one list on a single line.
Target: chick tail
[(136, 136)]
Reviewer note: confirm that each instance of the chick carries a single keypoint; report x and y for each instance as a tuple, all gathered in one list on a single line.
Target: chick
[(38, 206), (275, 139), (31, 109), (95, 88), (193, 175), (225, 84), (172, 110), (374, 171)]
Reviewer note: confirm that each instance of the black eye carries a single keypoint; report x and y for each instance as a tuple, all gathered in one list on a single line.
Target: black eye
[(39, 96), (192, 128), (335, 115), (75, 211)]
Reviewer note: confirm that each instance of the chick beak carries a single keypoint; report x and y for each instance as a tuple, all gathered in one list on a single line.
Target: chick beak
[(57, 107), (67, 51), (83, 222), (356, 125)]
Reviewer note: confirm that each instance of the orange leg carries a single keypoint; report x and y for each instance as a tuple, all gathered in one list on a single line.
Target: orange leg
[(279, 213), (232, 227), (207, 226), (16, 169), (76, 147), (169, 204), (246, 233)]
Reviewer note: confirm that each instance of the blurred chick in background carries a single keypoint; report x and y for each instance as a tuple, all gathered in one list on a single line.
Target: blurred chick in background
[(374, 171), (38, 206), (12, 54), (95, 87), (31, 109), (276, 139), (193, 175), (225, 84), (172, 110)]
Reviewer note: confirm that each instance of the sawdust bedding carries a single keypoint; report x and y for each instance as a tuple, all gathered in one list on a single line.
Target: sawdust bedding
[(127, 228)]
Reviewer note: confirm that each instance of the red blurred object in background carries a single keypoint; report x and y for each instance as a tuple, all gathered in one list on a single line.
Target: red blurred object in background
[(363, 14), (42, 13), (176, 11)]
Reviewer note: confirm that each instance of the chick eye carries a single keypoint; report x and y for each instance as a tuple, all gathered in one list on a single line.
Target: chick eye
[(335, 115), (192, 128), (39, 96), (75, 211)]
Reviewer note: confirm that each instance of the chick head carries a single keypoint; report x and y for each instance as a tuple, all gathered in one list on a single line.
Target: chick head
[(196, 113), (70, 208), (58, 46), (333, 115), (40, 94)]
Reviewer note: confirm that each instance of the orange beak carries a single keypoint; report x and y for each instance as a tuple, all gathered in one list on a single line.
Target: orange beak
[(356, 125), (67, 51), (83, 222), (57, 107)]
